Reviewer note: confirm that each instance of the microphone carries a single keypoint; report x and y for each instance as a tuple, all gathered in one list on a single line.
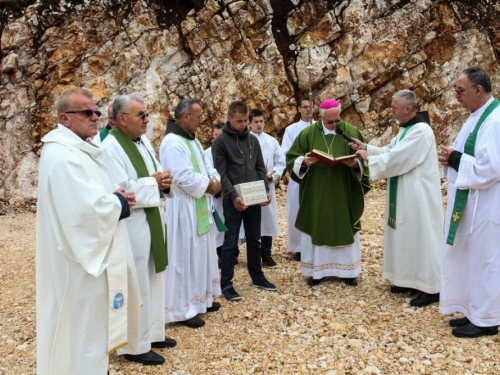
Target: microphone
[(343, 135)]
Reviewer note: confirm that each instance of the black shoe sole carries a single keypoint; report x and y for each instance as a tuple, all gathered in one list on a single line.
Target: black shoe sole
[(133, 358), (459, 322), (474, 335)]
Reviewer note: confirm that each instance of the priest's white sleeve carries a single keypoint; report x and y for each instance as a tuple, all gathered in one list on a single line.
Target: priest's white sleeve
[(175, 156), (483, 170), (85, 223), (404, 156)]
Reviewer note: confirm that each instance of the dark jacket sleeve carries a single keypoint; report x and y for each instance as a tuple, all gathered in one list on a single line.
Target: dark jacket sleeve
[(454, 159), (220, 163), (125, 207)]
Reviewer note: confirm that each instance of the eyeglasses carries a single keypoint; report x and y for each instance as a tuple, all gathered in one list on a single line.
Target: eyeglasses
[(306, 107), (461, 90), (142, 116), (329, 122), (199, 117), (87, 112)]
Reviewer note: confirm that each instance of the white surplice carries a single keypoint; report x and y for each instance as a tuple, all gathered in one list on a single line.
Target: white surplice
[(323, 261), (192, 277), (217, 201), (147, 194), (292, 191), (85, 273), (471, 267), (412, 251)]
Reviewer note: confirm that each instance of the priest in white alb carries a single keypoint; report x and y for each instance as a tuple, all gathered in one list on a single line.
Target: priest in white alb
[(131, 160), (87, 293), (292, 190), (414, 213), (470, 276), (192, 279)]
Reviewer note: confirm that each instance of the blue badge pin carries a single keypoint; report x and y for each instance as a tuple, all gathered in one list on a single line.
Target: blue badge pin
[(118, 300)]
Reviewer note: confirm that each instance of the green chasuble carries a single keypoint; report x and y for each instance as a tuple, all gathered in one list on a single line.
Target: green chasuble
[(331, 198)]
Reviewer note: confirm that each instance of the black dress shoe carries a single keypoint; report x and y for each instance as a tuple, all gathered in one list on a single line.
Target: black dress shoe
[(194, 322), (424, 299), (470, 330), (351, 281), (215, 307), (148, 359), (312, 281), (459, 322), (400, 289), (296, 257), (167, 343)]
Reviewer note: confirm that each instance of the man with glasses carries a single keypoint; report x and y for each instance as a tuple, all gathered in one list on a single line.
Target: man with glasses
[(131, 160), (414, 213), (471, 252), (331, 199), (292, 191), (192, 278), (87, 293)]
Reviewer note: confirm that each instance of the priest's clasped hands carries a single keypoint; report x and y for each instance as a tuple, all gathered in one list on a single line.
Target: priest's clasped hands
[(128, 195), (444, 154), (164, 179)]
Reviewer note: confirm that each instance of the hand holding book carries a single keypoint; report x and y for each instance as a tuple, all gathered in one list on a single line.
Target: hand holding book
[(329, 160)]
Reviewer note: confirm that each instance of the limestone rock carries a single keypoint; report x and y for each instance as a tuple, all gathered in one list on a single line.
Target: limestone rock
[(219, 51)]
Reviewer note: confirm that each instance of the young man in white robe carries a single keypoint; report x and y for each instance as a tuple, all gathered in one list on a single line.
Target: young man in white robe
[(470, 275), (217, 130), (87, 293), (192, 279), (414, 214), (131, 160), (274, 158), (292, 191)]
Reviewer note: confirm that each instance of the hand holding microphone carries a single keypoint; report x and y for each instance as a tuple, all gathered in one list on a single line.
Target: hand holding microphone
[(356, 144)]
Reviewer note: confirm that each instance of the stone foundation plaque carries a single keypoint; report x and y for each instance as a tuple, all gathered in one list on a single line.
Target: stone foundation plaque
[(252, 193)]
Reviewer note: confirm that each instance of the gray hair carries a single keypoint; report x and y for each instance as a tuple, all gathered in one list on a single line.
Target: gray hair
[(322, 110), (406, 97), (123, 101), (185, 105), (477, 76)]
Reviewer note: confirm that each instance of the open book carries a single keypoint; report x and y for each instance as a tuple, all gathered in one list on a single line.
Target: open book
[(329, 160)]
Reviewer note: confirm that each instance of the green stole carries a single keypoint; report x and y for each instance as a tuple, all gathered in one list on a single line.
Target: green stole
[(393, 190), (201, 204), (461, 195), (103, 134), (158, 240)]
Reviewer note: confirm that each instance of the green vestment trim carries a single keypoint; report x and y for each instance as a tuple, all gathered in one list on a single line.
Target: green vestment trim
[(201, 204), (103, 134), (158, 240), (461, 195), (393, 190)]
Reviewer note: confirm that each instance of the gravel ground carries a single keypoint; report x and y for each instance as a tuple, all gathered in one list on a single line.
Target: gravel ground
[(328, 329)]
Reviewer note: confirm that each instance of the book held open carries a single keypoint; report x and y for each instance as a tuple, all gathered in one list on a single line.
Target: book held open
[(329, 160)]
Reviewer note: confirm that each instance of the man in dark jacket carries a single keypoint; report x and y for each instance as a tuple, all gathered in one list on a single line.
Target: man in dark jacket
[(238, 159)]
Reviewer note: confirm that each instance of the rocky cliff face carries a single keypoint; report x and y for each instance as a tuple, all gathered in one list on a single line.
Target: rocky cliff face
[(222, 50)]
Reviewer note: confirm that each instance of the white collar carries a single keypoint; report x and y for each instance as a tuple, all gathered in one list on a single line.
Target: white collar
[(327, 131)]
